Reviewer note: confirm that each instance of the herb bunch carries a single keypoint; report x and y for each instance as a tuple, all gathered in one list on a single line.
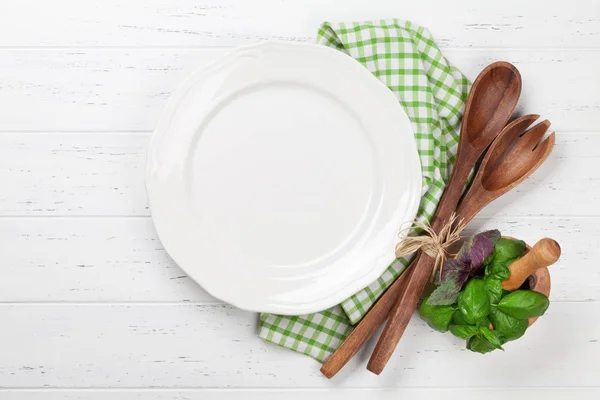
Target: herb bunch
[(470, 301)]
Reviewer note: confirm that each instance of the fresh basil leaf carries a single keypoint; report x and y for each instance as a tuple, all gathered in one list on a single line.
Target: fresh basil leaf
[(463, 254), (445, 294), (458, 319), (482, 246), (479, 344), (470, 257), (523, 304), (454, 270), (505, 252), (498, 270), (485, 321), (494, 337), (512, 328), (437, 317), (473, 301), (508, 250), (493, 235), (450, 269), (489, 260), (494, 289), (464, 331)]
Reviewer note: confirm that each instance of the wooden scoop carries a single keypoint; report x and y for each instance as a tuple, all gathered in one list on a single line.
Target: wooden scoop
[(490, 104), (543, 254), (513, 156)]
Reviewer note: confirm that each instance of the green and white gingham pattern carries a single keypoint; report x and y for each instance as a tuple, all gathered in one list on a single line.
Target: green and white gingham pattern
[(432, 92)]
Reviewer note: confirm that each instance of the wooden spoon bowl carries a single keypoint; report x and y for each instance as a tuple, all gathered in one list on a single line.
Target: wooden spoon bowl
[(490, 107)]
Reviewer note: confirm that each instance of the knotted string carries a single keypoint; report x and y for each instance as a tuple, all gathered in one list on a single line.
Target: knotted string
[(435, 245)]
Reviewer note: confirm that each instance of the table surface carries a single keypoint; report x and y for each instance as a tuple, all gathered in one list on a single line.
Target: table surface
[(92, 307)]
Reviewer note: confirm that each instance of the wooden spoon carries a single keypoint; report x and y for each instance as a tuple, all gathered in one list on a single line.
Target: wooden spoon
[(512, 157), (490, 104)]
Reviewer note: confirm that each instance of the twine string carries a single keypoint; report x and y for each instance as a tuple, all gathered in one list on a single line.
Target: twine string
[(435, 245)]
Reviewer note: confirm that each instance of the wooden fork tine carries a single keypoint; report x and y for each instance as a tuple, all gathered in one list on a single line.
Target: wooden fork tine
[(531, 138), (546, 145)]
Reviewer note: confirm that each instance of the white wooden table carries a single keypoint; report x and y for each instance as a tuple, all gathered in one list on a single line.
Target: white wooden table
[(92, 307)]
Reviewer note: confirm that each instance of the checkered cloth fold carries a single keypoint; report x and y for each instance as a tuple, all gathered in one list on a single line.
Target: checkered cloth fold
[(432, 92)]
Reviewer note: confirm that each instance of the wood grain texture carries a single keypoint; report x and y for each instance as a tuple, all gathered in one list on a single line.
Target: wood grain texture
[(302, 394), (469, 23), (65, 174), (93, 259), (122, 260), (215, 346), (81, 87), (543, 254), (126, 89)]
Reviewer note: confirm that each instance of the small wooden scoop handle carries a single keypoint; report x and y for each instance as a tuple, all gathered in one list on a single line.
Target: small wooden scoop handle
[(543, 254)]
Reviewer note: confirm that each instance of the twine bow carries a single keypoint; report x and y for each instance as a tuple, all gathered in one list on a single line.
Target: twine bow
[(435, 245)]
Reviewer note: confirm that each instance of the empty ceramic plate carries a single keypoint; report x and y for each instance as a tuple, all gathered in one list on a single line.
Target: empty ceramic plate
[(279, 177)]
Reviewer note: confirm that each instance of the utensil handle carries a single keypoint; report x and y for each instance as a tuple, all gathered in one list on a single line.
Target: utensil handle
[(406, 303), (543, 254), (476, 198), (455, 187), (367, 327), (400, 314)]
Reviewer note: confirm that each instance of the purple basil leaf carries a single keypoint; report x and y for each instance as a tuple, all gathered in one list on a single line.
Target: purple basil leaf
[(493, 235), (464, 257), (482, 246), (463, 277), (450, 269), (445, 294), (456, 272)]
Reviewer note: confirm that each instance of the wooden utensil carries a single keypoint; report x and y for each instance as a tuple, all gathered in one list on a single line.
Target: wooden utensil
[(365, 328), (539, 279), (543, 254), (490, 104), (513, 156)]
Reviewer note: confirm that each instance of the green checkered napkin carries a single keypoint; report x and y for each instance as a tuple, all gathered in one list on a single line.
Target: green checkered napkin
[(432, 92)]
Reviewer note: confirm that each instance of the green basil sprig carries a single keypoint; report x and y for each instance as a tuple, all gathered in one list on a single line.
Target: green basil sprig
[(470, 301)]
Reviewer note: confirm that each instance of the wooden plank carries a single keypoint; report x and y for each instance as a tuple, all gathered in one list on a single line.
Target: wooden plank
[(102, 174), (73, 174), (303, 394), (122, 260), (97, 346), (58, 83), (97, 259), (470, 23), (126, 89)]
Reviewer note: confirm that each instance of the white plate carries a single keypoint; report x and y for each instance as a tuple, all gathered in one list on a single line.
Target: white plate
[(279, 176)]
